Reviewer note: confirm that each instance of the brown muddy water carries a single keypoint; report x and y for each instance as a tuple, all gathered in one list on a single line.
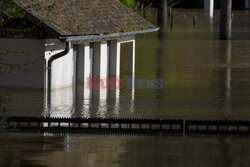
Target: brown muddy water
[(204, 78)]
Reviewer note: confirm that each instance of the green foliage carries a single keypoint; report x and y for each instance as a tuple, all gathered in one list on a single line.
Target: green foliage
[(9, 10), (4, 100), (11, 17), (132, 4), (154, 3), (173, 3)]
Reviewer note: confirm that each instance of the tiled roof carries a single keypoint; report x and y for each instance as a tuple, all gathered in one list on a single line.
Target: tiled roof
[(85, 17)]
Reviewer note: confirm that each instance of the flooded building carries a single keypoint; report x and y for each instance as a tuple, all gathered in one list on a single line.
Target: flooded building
[(68, 41)]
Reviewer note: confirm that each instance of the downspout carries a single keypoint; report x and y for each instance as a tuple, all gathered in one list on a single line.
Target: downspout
[(50, 61)]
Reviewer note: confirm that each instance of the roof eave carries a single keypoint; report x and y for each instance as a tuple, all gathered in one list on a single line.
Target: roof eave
[(102, 36)]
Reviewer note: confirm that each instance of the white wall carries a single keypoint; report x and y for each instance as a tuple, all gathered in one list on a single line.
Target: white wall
[(62, 68), (34, 50)]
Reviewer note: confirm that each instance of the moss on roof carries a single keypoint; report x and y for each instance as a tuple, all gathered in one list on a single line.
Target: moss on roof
[(85, 17)]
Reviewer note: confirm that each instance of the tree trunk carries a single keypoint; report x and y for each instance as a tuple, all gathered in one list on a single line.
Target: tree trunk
[(162, 11), (225, 19)]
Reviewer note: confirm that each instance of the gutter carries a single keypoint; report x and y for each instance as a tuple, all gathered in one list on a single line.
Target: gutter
[(50, 61), (93, 37)]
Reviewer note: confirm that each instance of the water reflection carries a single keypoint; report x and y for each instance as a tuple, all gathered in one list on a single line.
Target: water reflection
[(90, 103), (160, 70), (225, 76), (62, 103), (39, 151), (228, 154), (113, 101)]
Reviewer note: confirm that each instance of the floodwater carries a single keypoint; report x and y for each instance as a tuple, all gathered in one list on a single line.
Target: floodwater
[(29, 150), (204, 78)]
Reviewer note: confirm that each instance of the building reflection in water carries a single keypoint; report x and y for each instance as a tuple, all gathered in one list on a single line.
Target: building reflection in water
[(62, 103), (113, 101), (227, 152), (101, 97), (225, 77), (83, 102)]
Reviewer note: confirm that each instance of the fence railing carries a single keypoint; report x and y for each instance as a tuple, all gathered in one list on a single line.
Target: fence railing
[(163, 126)]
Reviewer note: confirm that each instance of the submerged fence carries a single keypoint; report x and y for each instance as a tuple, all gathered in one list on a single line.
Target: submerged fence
[(131, 125)]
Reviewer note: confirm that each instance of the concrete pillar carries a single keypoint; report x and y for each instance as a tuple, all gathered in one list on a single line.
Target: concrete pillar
[(96, 60), (100, 71), (162, 11), (225, 19), (246, 4), (133, 69), (104, 60), (83, 95), (114, 59), (74, 66), (87, 93), (87, 63), (209, 7), (114, 72), (46, 92), (80, 64), (100, 60)]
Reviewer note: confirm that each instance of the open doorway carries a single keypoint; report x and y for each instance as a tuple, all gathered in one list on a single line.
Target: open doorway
[(127, 65)]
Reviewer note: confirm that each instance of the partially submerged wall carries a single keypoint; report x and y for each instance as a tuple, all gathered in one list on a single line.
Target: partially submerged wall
[(29, 54)]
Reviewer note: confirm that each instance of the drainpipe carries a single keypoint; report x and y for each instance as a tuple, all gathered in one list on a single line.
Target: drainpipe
[(50, 61)]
